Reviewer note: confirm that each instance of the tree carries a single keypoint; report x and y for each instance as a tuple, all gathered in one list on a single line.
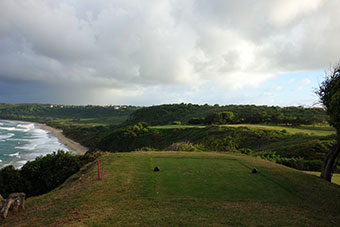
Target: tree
[(227, 117), (329, 93), (213, 118)]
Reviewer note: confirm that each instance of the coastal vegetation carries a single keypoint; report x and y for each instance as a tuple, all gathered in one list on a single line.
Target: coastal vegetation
[(43, 174), (67, 114)]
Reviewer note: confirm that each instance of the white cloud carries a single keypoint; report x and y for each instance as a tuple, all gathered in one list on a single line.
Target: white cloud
[(278, 88), (286, 11), (306, 81), (109, 47)]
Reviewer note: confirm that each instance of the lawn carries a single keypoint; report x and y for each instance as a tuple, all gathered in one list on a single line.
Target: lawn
[(192, 189), (319, 130), (308, 129)]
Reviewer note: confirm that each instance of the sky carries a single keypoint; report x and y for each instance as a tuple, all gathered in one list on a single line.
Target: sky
[(150, 52)]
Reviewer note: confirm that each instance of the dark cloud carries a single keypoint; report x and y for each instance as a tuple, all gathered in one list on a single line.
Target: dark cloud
[(115, 50)]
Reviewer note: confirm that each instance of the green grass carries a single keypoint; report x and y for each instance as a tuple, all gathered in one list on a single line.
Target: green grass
[(192, 189), (176, 126), (318, 130), (309, 129), (335, 177)]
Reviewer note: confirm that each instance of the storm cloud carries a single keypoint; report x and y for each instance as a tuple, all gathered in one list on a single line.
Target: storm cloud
[(115, 51)]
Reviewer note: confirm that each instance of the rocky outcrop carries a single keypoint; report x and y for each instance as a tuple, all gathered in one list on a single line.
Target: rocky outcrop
[(14, 202)]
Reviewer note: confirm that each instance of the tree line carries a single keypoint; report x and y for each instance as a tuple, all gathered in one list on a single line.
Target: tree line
[(73, 113), (234, 114)]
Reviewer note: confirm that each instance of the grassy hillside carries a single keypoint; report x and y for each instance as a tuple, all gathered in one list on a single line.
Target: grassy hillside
[(320, 130), (335, 177), (196, 189), (304, 151)]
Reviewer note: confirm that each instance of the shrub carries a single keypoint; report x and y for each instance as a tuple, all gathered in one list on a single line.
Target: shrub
[(221, 144), (43, 174), (146, 149), (246, 151), (196, 121), (11, 181), (183, 146)]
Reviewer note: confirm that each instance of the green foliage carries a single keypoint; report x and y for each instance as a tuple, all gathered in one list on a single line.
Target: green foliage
[(256, 140), (196, 121), (61, 114), (294, 162), (11, 180), (47, 172), (329, 93), (227, 143), (43, 174), (129, 138), (184, 146), (246, 151), (235, 114)]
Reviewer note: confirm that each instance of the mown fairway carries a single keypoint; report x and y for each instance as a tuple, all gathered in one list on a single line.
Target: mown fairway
[(176, 126), (323, 130), (309, 129), (196, 189)]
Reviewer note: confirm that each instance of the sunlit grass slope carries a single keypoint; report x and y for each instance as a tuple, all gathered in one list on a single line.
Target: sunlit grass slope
[(335, 177), (319, 130), (195, 189), (308, 129)]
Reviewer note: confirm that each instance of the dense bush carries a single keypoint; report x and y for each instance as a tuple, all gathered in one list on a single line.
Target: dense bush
[(43, 174), (129, 138), (294, 162), (227, 143), (206, 114), (11, 180), (184, 146)]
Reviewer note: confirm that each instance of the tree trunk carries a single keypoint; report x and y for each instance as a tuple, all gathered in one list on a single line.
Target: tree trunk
[(328, 164)]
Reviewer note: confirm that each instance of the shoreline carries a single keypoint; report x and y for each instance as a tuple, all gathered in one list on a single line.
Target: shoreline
[(70, 144)]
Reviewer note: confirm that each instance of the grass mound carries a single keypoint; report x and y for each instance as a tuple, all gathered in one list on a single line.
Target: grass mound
[(197, 189)]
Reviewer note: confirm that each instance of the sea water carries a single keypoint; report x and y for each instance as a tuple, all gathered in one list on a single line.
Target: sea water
[(22, 141)]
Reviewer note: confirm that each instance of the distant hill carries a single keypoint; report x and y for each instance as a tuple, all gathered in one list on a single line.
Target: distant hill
[(167, 114), (89, 114), (159, 115), (191, 189)]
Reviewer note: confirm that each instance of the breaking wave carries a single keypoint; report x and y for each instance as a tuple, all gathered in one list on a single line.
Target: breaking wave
[(21, 142)]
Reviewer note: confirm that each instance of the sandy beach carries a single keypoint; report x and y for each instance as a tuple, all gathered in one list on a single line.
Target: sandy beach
[(70, 144)]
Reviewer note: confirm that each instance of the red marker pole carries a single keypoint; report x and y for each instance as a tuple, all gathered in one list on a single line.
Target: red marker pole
[(98, 165)]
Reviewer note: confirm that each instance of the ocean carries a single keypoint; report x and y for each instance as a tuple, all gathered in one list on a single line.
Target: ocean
[(22, 141)]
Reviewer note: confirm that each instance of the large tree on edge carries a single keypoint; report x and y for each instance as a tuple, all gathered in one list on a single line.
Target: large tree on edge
[(329, 93)]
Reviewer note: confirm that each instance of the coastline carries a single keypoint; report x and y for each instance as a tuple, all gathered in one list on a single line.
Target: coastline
[(70, 144)]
